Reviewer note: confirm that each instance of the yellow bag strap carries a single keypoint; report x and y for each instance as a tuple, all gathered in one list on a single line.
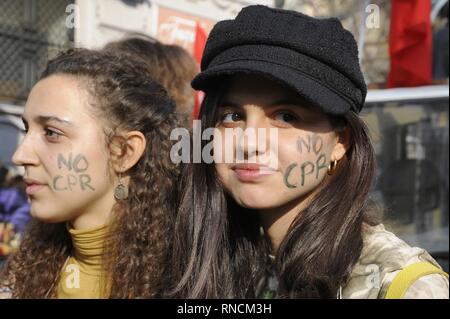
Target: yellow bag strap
[(408, 275)]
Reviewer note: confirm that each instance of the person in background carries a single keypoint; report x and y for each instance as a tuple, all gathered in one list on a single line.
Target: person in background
[(14, 211), (441, 48), (170, 65)]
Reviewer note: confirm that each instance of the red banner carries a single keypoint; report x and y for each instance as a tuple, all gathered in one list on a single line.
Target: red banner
[(410, 43)]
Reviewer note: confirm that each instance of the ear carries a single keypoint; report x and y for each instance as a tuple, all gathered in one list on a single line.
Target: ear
[(128, 151), (342, 144)]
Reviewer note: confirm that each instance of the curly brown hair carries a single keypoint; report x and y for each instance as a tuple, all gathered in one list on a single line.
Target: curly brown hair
[(125, 98)]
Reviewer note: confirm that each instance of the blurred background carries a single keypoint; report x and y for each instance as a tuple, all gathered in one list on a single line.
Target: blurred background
[(403, 47)]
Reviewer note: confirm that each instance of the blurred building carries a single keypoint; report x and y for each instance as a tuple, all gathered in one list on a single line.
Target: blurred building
[(410, 132), (101, 21)]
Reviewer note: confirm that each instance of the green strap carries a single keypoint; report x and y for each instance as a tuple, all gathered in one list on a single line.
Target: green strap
[(408, 275)]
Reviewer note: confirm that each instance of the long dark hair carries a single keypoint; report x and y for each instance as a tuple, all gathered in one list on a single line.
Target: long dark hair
[(123, 97), (220, 251)]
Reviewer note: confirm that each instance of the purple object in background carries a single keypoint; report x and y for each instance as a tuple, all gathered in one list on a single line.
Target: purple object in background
[(14, 208)]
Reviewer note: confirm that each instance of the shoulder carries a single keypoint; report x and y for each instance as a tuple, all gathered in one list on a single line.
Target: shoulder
[(429, 287), (383, 248), (382, 257)]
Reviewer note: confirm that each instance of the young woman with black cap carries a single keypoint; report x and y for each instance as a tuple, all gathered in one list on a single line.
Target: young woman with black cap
[(299, 228)]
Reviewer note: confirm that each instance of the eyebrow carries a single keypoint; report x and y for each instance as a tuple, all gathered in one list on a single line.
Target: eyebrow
[(44, 119), (288, 102), (230, 103)]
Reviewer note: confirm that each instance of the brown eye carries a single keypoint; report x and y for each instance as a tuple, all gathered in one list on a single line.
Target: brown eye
[(231, 117), (285, 117), (52, 135)]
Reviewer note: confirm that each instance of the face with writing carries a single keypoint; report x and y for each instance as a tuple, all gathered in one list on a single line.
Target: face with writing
[(306, 143), (64, 152)]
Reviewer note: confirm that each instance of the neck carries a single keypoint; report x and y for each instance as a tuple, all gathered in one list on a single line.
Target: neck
[(89, 221), (95, 216), (89, 247), (276, 221)]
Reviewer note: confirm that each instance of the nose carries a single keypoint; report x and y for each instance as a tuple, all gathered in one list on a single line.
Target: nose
[(255, 138), (25, 154)]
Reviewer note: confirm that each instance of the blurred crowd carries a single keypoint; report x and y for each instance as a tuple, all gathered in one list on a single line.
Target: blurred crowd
[(14, 210)]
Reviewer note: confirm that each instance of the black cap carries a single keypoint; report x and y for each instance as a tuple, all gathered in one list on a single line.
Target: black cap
[(317, 58)]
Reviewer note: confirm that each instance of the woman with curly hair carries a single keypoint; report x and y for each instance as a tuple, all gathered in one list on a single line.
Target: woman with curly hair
[(100, 181)]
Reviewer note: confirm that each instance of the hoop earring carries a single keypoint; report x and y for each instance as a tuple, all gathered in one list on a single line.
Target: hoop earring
[(332, 167), (121, 190)]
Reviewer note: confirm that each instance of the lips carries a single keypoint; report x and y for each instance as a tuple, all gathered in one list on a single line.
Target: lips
[(33, 186), (252, 172)]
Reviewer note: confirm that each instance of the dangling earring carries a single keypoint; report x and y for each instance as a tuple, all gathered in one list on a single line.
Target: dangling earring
[(332, 167), (121, 190)]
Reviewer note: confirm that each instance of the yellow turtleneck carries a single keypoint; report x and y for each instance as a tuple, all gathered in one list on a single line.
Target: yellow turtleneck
[(82, 276)]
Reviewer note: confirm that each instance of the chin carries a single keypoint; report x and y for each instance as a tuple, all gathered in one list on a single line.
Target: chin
[(255, 202), (256, 206), (47, 217)]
